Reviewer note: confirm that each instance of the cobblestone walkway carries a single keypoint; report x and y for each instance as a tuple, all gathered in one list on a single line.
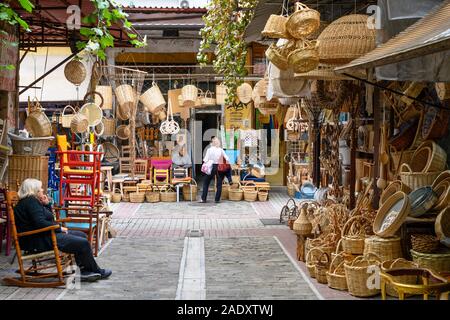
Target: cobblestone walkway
[(244, 253)]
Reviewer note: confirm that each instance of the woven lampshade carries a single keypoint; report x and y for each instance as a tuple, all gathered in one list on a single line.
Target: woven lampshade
[(346, 39)]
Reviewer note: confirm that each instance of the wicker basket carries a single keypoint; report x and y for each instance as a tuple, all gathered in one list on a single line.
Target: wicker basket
[(152, 195), (189, 189), (263, 194), (137, 197), (110, 126), (126, 97), (438, 262), (221, 93), (303, 21), (357, 275), (250, 192), (396, 264), (277, 56), (442, 224), (153, 100), (116, 196), (269, 108), (275, 27), (442, 190), (66, 119), (123, 132), (353, 235), (235, 194), (336, 274), (346, 39), (397, 158), (168, 195), (189, 94), (429, 157), (305, 58), (415, 180), (392, 188), (106, 93), (311, 260), (79, 123), (424, 243), (389, 230), (291, 190), (207, 99), (38, 124), (21, 167), (93, 113), (30, 146), (75, 72), (384, 248), (322, 266), (244, 92)]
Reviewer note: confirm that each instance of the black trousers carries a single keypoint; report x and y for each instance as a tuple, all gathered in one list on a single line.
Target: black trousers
[(75, 242), (207, 181)]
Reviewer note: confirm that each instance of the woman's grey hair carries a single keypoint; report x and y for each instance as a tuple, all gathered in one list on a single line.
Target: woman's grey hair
[(29, 187)]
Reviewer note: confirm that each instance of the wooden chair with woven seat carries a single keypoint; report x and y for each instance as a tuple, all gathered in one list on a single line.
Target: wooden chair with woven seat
[(140, 169), (33, 276)]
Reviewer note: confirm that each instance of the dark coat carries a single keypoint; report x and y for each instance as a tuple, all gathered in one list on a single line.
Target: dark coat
[(30, 214)]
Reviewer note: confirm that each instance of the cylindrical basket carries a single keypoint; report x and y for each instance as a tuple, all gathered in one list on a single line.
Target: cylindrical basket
[(353, 240), (275, 27), (189, 189), (153, 100), (225, 189), (109, 125), (384, 248), (106, 93), (126, 97), (235, 194), (189, 94), (357, 276), (137, 197)]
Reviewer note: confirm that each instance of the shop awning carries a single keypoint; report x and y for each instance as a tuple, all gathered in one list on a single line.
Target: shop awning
[(431, 34)]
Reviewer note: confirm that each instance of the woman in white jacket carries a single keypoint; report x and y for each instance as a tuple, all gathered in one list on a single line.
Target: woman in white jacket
[(213, 157)]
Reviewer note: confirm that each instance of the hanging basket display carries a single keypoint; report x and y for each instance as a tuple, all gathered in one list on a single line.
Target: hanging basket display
[(346, 39), (303, 21), (305, 58), (190, 95), (66, 119), (153, 100), (75, 72), (275, 27)]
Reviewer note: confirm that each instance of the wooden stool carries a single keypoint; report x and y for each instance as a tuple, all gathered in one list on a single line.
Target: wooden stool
[(118, 181), (106, 175), (301, 241)]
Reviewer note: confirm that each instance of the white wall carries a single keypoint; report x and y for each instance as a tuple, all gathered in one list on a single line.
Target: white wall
[(55, 87)]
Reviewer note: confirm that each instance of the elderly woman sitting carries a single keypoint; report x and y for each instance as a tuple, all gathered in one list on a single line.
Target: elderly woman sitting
[(33, 211)]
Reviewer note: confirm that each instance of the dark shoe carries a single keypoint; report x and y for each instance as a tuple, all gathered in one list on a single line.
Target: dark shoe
[(202, 201), (105, 273), (217, 201), (86, 276)]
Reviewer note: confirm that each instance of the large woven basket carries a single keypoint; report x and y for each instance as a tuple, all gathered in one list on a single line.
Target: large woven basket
[(396, 264), (384, 248), (168, 195), (152, 195), (275, 27), (250, 192), (30, 146), (336, 273), (106, 93), (284, 84), (126, 97), (153, 100), (415, 180), (424, 243), (303, 21), (438, 261), (235, 193), (353, 234), (346, 39), (383, 228), (429, 157), (189, 189), (357, 275), (75, 72), (305, 58), (38, 124), (137, 197)]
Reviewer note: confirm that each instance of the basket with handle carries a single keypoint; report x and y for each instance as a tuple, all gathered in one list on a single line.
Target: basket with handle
[(416, 180), (207, 99), (396, 264), (336, 274), (263, 194), (137, 197), (311, 260), (277, 56), (190, 189), (116, 196), (385, 248), (305, 57), (429, 157), (354, 234), (37, 123), (357, 275), (322, 266), (153, 100), (275, 27), (250, 192), (235, 193), (189, 94), (152, 194), (66, 118), (168, 194), (225, 189), (75, 72), (79, 123), (303, 21)]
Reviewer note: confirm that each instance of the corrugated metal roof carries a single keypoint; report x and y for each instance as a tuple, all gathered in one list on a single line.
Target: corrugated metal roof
[(430, 34)]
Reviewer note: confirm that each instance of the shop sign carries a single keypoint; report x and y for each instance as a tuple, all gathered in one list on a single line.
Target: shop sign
[(9, 51), (238, 116)]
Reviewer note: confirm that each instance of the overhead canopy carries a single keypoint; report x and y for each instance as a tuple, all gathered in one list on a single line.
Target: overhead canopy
[(429, 35)]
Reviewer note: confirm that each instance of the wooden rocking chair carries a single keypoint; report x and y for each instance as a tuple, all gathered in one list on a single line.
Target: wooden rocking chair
[(33, 276)]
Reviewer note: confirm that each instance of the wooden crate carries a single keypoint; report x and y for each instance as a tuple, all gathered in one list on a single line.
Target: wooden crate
[(23, 167)]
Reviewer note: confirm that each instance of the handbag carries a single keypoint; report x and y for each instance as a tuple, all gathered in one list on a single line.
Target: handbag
[(223, 166), (207, 167)]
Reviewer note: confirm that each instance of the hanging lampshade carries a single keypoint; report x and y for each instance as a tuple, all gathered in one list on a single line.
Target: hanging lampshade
[(346, 39)]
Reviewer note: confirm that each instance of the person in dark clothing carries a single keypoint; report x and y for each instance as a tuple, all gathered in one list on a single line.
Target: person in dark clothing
[(33, 211)]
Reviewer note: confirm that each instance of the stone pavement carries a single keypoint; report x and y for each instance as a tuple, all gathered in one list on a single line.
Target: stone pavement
[(242, 253)]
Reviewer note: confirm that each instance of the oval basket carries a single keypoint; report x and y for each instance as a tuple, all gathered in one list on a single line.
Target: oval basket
[(438, 262), (244, 92), (38, 124), (75, 72), (415, 180), (397, 207), (429, 157), (66, 119), (79, 123), (303, 21), (305, 58), (392, 188), (30, 146), (384, 248)]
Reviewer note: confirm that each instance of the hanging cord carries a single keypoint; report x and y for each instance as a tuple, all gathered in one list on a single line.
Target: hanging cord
[(45, 70)]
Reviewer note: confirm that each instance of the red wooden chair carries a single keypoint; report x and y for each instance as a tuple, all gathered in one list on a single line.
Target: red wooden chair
[(80, 171), (5, 225)]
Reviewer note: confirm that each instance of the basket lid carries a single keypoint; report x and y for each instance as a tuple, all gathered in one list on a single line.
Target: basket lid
[(93, 113)]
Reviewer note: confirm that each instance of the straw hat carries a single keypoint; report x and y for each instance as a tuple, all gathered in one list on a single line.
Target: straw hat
[(123, 132), (244, 92)]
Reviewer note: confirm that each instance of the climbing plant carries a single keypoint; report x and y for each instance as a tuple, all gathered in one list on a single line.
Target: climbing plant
[(225, 25)]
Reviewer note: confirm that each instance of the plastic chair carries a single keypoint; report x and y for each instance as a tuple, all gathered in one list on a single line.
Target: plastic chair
[(74, 171)]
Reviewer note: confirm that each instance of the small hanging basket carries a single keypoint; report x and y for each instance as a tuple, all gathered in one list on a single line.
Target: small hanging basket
[(207, 99), (221, 93), (123, 132), (66, 119), (79, 123), (303, 21), (153, 100), (126, 97), (305, 58), (190, 95), (75, 72), (275, 27), (37, 122), (276, 55), (105, 93), (109, 125)]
